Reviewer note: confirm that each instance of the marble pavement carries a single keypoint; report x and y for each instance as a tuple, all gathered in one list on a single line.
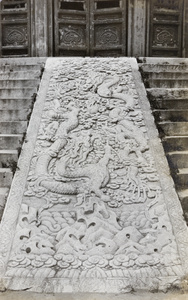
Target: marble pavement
[(92, 207)]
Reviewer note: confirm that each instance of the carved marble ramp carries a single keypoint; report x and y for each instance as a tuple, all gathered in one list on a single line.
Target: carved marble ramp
[(92, 206)]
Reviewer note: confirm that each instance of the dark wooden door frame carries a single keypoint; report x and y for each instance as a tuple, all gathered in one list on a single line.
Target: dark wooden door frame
[(137, 24), (42, 34), (71, 33), (15, 28), (102, 29), (113, 31), (166, 28), (185, 29)]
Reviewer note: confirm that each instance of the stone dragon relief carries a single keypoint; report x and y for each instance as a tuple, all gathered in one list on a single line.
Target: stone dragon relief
[(93, 208)]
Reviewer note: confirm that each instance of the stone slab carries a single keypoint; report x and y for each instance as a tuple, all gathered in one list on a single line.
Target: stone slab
[(24, 295), (16, 127), (92, 206), (164, 60), (166, 93)]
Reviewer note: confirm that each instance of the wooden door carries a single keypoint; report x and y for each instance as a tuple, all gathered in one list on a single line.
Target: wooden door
[(15, 28), (166, 28), (71, 19), (108, 30), (90, 27)]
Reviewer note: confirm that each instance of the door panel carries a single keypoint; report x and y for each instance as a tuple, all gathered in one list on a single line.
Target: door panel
[(95, 27), (71, 28), (92, 27), (108, 28), (166, 27), (15, 28)]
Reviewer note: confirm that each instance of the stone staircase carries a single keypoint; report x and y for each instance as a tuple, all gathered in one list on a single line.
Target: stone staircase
[(19, 82), (166, 82)]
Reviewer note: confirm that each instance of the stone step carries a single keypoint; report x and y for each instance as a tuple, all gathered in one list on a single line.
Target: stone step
[(18, 83), (182, 178), (19, 64), (20, 75), (175, 143), (3, 197), (14, 115), (6, 176), (163, 60), (178, 160), (23, 61), (159, 68), (16, 127), (173, 128), (9, 103), (171, 115), (17, 93), (165, 75), (10, 141), (16, 68), (8, 158), (169, 103), (167, 83), (166, 93), (183, 196)]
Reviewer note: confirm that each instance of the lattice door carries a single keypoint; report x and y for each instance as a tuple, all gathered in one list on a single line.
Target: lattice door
[(90, 27), (166, 27), (15, 28)]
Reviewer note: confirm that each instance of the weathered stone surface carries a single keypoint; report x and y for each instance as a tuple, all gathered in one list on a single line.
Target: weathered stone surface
[(170, 109), (92, 206), (9, 295)]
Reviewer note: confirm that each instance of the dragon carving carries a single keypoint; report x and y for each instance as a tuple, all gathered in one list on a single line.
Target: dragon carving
[(91, 177)]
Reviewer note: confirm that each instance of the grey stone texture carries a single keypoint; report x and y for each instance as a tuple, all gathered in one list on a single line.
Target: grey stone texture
[(19, 81), (92, 206), (90, 296), (166, 81)]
